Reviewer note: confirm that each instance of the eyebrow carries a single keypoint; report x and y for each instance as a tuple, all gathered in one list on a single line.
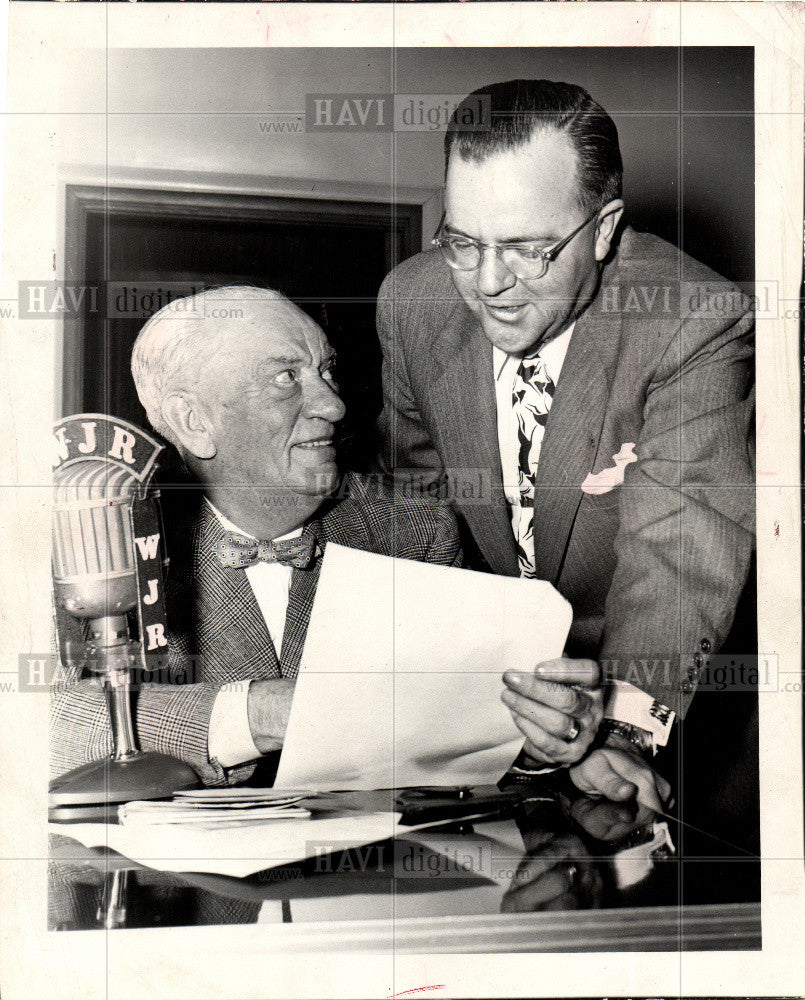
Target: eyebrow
[(281, 360), (511, 239), (289, 360)]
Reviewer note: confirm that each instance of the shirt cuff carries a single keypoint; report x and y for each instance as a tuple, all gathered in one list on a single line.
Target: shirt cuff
[(628, 703), (229, 740)]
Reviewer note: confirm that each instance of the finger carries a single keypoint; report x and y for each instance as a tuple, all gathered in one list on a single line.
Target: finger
[(596, 775), (664, 789), (567, 901), (585, 673), (531, 869), (551, 694), (542, 890), (536, 839), (645, 780), (556, 723), (644, 815), (602, 819), (543, 746), (556, 849), (648, 795)]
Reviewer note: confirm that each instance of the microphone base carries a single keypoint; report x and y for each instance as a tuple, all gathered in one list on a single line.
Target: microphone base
[(106, 814), (111, 782)]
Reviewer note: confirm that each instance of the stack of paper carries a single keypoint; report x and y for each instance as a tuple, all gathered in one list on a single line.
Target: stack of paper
[(219, 806), (237, 850)]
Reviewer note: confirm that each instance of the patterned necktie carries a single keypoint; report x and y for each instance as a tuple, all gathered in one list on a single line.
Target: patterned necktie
[(531, 398), (236, 551)]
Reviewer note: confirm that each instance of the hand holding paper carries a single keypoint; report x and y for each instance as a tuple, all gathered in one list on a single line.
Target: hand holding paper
[(558, 708), (400, 680)]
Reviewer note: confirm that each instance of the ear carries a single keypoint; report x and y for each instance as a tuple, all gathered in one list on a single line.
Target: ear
[(608, 219), (188, 420)]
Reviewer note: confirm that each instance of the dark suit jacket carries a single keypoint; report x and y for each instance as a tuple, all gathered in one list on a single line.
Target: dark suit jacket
[(216, 632), (662, 358)]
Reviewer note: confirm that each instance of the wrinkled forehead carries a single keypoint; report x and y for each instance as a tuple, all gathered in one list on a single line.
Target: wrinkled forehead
[(278, 328)]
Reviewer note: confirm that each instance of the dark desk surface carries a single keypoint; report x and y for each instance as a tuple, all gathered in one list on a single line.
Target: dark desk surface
[(628, 886)]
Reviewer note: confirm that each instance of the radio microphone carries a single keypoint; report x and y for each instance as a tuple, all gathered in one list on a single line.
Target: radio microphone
[(107, 564)]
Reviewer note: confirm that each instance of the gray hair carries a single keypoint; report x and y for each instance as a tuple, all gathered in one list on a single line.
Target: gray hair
[(182, 337)]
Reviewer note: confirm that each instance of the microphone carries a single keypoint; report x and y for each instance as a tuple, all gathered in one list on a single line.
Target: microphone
[(93, 570), (107, 564)]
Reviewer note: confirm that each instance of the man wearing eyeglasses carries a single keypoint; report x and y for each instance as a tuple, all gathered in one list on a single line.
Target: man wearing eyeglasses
[(584, 400)]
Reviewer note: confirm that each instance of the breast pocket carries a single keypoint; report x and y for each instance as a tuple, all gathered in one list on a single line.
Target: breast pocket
[(592, 502)]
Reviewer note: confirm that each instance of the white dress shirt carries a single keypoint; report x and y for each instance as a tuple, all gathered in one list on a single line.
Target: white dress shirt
[(625, 702), (229, 740)]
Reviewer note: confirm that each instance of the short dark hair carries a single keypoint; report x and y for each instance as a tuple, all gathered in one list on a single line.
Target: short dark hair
[(520, 108)]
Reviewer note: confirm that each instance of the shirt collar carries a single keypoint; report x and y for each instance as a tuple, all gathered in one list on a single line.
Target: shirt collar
[(227, 525), (553, 354)]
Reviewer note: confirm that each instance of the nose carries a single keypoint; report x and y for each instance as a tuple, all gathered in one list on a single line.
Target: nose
[(493, 277), (322, 401)]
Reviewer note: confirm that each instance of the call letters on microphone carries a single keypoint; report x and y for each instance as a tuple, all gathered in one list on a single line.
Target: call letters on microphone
[(98, 437)]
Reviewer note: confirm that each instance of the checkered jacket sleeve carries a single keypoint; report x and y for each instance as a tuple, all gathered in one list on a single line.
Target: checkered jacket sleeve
[(170, 719), (374, 516)]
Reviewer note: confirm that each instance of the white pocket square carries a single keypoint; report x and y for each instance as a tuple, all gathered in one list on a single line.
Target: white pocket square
[(608, 479)]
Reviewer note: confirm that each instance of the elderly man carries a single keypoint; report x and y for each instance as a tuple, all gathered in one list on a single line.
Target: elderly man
[(597, 380), (250, 403)]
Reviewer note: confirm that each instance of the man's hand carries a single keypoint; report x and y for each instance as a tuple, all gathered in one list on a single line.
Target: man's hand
[(546, 709), (610, 821), (557, 875), (618, 771), (269, 705)]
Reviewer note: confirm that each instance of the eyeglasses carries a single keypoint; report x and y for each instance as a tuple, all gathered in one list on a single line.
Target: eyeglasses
[(524, 259)]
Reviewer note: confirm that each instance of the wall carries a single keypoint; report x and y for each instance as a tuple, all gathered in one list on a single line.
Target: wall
[(194, 116)]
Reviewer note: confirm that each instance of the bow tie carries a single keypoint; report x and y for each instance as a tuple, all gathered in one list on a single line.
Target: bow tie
[(235, 551)]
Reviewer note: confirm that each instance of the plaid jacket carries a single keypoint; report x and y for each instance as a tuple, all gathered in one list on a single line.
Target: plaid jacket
[(213, 618)]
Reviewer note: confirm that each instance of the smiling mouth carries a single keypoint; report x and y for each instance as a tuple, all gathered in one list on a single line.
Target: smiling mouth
[(505, 312), (317, 443)]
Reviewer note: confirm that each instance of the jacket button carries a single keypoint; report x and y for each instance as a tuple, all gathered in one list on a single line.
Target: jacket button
[(705, 645), (686, 687), (692, 674), (697, 660)]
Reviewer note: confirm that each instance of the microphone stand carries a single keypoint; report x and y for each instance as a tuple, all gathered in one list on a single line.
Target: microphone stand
[(93, 791), (110, 643)]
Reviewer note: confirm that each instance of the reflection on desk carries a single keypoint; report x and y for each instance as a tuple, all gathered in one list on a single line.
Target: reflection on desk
[(500, 884)]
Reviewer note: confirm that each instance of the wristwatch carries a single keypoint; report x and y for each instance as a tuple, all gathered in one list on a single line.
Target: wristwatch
[(641, 738)]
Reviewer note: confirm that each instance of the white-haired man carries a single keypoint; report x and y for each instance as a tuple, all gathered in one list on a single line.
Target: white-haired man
[(242, 383)]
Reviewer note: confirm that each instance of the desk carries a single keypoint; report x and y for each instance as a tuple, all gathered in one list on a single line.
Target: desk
[(562, 873)]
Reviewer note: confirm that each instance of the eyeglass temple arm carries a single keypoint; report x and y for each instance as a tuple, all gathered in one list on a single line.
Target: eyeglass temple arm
[(551, 253), (439, 227)]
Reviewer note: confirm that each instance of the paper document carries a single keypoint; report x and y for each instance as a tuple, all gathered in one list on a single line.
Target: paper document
[(400, 679), (238, 851)]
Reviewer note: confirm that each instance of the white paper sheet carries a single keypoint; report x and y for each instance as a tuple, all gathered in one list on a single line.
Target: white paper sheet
[(400, 679), (236, 851)]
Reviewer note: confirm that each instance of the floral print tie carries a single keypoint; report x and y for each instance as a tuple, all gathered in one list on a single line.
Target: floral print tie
[(532, 394)]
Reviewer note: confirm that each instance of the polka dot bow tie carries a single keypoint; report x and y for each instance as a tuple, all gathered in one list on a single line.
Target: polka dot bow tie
[(236, 551)]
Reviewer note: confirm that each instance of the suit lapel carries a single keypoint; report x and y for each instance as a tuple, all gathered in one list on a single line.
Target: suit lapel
[(300, 604), (232, 634), (573, 432), (464, 394)]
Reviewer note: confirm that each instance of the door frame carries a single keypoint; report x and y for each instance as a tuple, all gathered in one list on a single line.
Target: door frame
[(84, 200)]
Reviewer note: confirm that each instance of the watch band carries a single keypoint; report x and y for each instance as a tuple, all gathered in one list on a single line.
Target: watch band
[(641, 738)]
